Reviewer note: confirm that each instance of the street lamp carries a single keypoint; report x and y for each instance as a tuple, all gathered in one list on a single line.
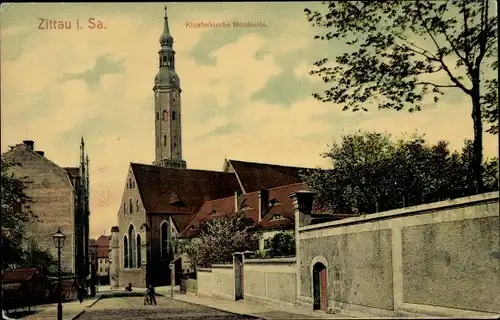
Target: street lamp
[(59, 238)]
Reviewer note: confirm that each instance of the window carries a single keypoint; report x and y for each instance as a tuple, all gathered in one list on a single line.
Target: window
[(165, 115), (164, 239), (213, 212), (125, 252), (138, 250), (100, 269), (276, 217), (124, 208), (157, 116), (130, 205), (274, 202), (133, 184), (164, 61), (137, 205), (165, 140), (173, 115), (132, 248)]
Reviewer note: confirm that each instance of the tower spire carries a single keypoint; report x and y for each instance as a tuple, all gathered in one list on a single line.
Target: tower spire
[(168, 140)]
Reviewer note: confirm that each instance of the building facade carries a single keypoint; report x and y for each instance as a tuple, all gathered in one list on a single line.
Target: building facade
[(60, 198)]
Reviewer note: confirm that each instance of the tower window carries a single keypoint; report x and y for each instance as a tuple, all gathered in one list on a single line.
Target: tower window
[(173, 115), (157, 116), (165, 116), (164, 61), (137, 205), (124, 208), (130, 205), (165, 140)]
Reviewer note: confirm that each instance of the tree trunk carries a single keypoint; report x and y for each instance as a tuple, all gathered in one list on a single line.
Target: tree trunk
[(477, 159)]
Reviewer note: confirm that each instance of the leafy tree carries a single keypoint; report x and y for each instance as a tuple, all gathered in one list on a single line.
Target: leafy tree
[(218, 239), (35, 257), (402, 51), (281, 244), (16, 213), (371, 173)]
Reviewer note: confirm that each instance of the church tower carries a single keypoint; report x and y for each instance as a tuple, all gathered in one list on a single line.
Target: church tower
[(167, 91)]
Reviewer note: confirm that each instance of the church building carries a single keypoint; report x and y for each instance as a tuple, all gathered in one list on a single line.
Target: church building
[(160, 200)]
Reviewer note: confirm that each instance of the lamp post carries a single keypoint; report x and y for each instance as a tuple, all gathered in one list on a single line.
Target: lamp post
[(59, 238)]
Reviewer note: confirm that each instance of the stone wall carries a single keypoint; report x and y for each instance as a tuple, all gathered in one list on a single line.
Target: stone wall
[(136, 276), (270, 280), (217, 281), (438, 259)]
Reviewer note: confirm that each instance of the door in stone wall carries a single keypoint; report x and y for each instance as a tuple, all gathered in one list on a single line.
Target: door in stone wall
[(323, 292), (320, 298), (238, 276)]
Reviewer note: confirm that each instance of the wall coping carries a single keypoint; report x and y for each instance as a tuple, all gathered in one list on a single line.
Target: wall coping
[(222, 266), (271, 261), (414, 210), (203, 269)]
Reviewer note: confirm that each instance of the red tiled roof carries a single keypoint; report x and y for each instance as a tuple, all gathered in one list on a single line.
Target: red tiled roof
[(249, 204), (283, 210), (92, 242), (103, 252), (180, 191), (103, 241), (19, 275), (255, 176)]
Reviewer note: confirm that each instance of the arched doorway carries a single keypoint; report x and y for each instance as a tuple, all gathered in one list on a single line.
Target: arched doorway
[(320, 287)]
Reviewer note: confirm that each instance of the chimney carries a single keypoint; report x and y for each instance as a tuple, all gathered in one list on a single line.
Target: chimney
[(263, 203), (236, 207), (42, 153), (30, 144)]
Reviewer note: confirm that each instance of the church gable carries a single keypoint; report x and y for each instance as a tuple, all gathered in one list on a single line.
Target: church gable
[(131, 199)]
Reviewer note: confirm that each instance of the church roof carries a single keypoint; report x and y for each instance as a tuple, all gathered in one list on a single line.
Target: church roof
[(255, 176), (180, 191)]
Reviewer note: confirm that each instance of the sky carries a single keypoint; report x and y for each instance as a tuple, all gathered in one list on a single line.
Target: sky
[(246, 92)]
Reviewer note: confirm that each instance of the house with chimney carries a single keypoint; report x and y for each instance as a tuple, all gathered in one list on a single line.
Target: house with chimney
[(60, 199)]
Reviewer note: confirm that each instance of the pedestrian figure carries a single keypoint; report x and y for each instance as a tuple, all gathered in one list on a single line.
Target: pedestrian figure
[(151, 292), (129, 287), (81, 292)]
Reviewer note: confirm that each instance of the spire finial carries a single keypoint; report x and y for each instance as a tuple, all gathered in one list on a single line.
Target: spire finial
[(165, 11)]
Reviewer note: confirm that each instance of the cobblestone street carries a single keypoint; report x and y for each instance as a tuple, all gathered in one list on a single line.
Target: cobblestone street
[(132, 307)]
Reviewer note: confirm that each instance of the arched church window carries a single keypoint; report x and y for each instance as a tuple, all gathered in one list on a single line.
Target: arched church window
[(125, 252), (132, 248), (165, 116), (124, 207), (157, 116), (138, 245), (173, 115), (130, 183), (130, 205), (165, 140), (164, 240)]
